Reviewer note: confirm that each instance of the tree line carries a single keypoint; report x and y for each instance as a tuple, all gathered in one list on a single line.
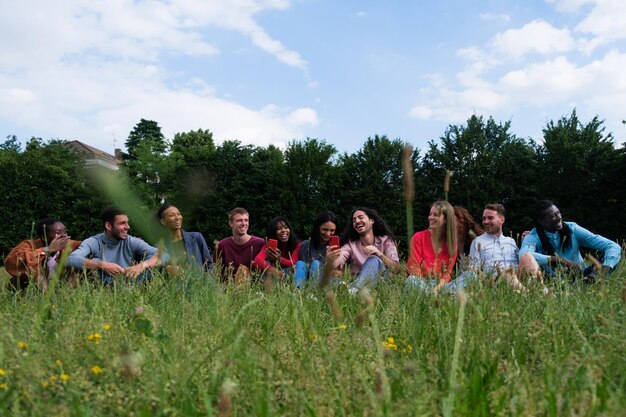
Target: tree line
[(575, 164)]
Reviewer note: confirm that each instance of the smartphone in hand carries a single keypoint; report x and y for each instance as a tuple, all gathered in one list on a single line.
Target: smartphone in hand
[(334, 242), (272, 243)]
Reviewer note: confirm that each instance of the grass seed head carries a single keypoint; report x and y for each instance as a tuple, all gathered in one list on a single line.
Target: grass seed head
[(334, 306), (224, 399), (407, 167)]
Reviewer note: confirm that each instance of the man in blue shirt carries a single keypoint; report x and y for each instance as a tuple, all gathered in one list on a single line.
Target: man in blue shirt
[(554, 243), (115, 253)]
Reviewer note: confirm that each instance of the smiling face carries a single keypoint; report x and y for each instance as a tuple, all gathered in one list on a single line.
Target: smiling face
[(362, 223), (436, 218), (551, 219), (172, 219), (327, 230), (119, 228), (492, 221), (239, 224), (55, 230), (282, 232)]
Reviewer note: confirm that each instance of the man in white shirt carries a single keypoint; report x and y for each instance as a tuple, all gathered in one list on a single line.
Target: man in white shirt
[(492, 253)]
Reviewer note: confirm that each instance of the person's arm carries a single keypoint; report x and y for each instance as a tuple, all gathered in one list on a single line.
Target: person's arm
[(611, 250), (23, 259), (260, 260), (531, 244), (389, 256), (474, 256), (207, 261), (413, 265), (149, 256), (291, 259), (446, 272), (79, 259)]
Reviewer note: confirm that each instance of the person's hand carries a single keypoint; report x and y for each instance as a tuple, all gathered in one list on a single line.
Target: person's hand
[(58, 243), (133, 272), (332, 254), (525, 233), (273, 255), (111, 268), (559, 262), (372, 250)]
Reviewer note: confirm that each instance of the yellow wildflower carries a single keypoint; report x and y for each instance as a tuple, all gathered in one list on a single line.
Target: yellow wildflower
[(3, 386), (407, 349), (107, 327), (343, 326), (390, 344), (58, 362), (53, 377), (45, 384), (94, 337), (64, 377), (96, 370), (1, 372), (22, 345)]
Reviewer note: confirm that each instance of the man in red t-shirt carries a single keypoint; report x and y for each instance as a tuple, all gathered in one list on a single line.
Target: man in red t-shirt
[(235, 254)]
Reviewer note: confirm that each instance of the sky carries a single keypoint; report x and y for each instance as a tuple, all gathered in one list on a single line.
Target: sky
[(272, 71)]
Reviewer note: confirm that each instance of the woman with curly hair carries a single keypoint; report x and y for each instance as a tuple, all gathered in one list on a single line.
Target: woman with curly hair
[(369, 247)]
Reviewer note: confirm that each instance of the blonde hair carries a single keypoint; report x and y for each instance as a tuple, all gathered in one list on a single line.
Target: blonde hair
[(451, 235)]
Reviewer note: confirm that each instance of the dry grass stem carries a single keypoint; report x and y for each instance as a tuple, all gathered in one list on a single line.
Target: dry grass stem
[(334, 306)]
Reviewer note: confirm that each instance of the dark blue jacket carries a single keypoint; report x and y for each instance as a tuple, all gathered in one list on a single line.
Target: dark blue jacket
[(197, 250)]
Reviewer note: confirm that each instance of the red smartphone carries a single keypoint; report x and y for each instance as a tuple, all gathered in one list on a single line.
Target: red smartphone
[(272, 243), (334, 242)]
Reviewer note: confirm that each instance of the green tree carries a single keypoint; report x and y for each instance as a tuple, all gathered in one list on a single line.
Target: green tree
[(312, 181), (146, 133), (581, 170), (146, 162), (490, 164), (46, 179), (373, 177)]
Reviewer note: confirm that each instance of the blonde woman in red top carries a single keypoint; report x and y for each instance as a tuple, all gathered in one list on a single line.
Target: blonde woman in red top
[(434, 250)]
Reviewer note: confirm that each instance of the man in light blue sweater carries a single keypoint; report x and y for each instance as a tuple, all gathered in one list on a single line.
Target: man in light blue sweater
[(554, 243), (115, 253)]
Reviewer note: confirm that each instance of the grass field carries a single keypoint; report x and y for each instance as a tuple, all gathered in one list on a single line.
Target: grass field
[(170, 349)]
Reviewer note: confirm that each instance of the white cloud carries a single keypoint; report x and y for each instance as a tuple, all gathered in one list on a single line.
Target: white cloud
[(86, 70), (606, 21), (536, 36), (570, 5)]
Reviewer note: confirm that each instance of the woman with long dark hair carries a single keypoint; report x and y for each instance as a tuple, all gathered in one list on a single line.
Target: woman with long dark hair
[(282, 259), (313, 251), (554, 243)]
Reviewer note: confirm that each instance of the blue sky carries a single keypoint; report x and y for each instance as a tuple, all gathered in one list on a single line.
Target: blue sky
[(276, 70)]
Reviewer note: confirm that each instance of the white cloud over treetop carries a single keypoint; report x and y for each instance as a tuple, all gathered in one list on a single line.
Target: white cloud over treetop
[(90, 70), (538, 67)]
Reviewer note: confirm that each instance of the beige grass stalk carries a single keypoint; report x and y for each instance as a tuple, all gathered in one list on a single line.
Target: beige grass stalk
[(334, 306), (446, 183), (409, 190)]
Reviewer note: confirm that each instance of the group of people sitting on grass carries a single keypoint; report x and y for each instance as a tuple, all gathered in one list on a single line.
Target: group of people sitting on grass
[(367, 247)]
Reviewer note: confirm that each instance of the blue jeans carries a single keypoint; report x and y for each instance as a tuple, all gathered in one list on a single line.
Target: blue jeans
[(425, 284), (302, 270), (372, 269), (462, 281)]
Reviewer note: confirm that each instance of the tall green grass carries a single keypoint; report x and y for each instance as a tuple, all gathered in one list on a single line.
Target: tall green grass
[(192, 348)]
